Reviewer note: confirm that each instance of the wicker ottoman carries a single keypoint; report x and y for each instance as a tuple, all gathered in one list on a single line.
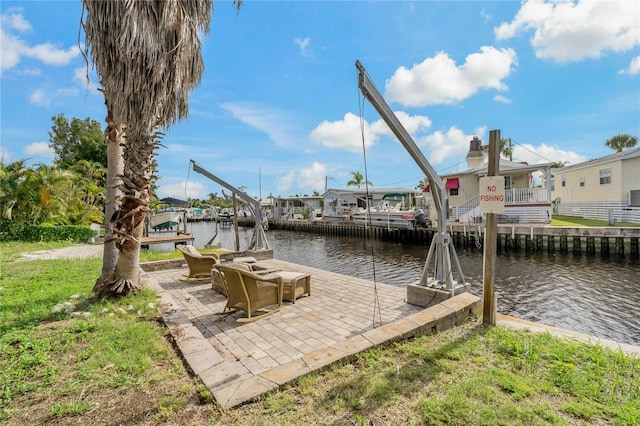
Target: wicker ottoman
[(295, 284)]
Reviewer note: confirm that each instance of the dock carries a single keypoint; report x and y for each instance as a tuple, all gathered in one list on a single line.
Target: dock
[(530, 238), (166, 239)]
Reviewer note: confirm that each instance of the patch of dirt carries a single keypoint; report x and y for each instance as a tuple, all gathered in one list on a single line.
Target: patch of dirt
[(74, 252)]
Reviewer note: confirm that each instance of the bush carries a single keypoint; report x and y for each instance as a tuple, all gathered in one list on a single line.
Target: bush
[(11, 231)]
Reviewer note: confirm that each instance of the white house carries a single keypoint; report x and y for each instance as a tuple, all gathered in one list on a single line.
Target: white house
[(524, 202), (603, 188)]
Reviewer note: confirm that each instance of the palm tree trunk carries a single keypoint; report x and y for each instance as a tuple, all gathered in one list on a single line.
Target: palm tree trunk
[(115, 165), (132, 211)]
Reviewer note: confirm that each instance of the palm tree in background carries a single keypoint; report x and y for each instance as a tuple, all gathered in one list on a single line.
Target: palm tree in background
[(148, 58), (622, 141), (358, 180)]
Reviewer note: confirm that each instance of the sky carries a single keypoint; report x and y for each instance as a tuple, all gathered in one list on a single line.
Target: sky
[(278, 111)]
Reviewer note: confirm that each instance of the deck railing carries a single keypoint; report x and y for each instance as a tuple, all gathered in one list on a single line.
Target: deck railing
[(526, 196), (470, 211)]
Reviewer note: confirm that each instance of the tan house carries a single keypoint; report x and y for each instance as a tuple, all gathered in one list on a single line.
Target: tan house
[(524, 202), (605, 188)]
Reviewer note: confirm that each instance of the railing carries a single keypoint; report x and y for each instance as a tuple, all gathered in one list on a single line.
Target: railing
[(521, 206), (619, 211), (467, 211), (526, 196)]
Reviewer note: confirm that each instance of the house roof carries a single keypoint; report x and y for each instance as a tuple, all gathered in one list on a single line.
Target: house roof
[(505, 166), (373, 191), (616, 156)]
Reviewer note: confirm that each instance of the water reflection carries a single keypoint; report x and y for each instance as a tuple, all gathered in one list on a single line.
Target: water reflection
[(596, 296)]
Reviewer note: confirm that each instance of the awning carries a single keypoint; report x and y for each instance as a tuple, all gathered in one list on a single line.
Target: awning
[(452, 183)]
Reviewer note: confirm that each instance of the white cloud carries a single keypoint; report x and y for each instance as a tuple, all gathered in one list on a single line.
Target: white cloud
[(39, 149), (284, 183), (439, 80), (544, 154), (10, 48), (305, 49), (13, 48), (14, 20), (344, 134), (502, 99), (313, 177), (442, 145), (85, 80), (50, 54), (5, 156), (177, 190), (572, 31), (634, 67), (277, 124), (32, 71), (38, 97), (41, 98), (485, 16), (413, 124)]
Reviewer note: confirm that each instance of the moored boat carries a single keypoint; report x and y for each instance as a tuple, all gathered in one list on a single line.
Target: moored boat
[(165, 219), (392, 213)]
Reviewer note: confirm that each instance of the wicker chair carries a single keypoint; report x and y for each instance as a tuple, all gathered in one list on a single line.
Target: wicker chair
[(200, 264), (249, 292)]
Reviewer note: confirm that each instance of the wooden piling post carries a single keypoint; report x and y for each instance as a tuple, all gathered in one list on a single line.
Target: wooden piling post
[(491, 239)]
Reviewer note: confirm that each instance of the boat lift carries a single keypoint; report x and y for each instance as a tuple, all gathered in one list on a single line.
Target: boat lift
[(259, 239), (442, 249)]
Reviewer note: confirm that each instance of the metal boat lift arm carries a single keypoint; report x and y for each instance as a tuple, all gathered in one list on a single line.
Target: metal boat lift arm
[(259, 240), (370, 92), (441, 243)]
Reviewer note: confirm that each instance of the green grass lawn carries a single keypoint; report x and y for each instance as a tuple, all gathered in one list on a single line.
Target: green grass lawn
[(580, 221), (66, 358)]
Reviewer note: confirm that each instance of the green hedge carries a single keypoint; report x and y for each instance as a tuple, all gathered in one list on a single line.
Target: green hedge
[(10, 231)]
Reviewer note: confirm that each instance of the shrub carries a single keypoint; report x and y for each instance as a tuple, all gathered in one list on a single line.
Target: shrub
[(11, 231)]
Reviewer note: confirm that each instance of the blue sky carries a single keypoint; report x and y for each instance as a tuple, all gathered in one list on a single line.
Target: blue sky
[(278, 108)]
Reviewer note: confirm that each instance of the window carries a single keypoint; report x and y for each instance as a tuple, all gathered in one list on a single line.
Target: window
[(581, 181), (453, 192), (564, 180), (507, 182), (553, 184), (605, 176)]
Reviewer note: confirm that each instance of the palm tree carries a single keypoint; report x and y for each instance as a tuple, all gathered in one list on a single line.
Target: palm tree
[(148, 57), (358, 180), (619, 142), (11, 189)]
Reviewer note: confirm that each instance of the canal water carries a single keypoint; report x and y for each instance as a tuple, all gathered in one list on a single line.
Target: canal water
[(592, 295)]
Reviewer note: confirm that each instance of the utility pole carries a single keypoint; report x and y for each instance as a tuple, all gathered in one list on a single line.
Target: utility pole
[(491, 238)]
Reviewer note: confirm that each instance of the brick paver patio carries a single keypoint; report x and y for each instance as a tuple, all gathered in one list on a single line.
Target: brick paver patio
[(343, 316)]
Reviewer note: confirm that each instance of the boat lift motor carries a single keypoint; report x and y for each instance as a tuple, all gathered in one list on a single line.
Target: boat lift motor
[(442, 250), (259, 239)]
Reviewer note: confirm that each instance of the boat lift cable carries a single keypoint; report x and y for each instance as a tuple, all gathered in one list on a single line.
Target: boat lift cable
[(376, 298), (186, 182)]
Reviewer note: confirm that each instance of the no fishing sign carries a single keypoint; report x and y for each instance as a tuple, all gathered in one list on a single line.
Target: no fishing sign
[(492, 194)]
